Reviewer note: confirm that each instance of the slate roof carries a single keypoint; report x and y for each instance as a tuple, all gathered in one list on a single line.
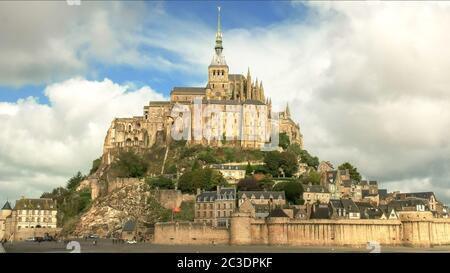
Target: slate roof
[(382, 193), (37, 204), (129, 225), (235, 76), (256, 102), (188, 90), (7, 206), (347, 183), (373, 183), (210, 196), (263, 194), (277, 212), (320, 212), (398, 205), (346, 204), (349, 205), (424, 195), (159, 102), (315, 188)]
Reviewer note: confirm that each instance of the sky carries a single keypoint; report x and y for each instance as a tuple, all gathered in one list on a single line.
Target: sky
[(367, 81)]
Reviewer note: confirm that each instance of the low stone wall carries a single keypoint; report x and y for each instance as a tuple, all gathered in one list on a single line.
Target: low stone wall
[(119, 183), (189, 233)]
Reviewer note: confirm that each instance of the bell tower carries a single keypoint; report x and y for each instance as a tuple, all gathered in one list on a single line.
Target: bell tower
[(218, 85)]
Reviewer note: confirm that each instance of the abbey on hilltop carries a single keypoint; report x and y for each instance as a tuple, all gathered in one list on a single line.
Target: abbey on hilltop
[(233, 111)]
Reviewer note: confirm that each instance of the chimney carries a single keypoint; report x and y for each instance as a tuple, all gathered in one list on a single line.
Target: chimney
[(199, 191)]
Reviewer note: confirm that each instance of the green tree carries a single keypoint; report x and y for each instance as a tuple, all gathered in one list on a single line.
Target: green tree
[(287, 161), (160, 182), (248, 169), (130, 164), (266, 184), (95, 165), (293, 191), (248, 184), (272, 162), (312, 177), (75, 181), (354, 174), (305, 157), (207, 179), (284, 141)]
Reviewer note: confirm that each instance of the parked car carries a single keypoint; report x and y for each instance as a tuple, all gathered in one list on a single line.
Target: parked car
[(93, 236), (131, 242), (39, 239)]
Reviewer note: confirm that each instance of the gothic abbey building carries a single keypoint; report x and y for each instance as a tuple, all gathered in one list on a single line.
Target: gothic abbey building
[(231, 109)]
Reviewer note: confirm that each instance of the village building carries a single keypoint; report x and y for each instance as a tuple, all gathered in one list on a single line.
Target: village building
[(269, 198), (316, 194), (231, 172), (215, 207)]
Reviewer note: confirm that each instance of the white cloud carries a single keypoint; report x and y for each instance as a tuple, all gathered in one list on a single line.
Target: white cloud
[(368, 82), (41, 146)]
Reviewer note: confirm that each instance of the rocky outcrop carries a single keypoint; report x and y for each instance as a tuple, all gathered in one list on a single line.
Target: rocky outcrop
[(108, 213)]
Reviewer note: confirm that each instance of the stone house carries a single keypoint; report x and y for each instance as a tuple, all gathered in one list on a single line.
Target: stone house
[(271, 198), (215, 207), (231, 173), (428, 196), (344, 209), (369, 211), (316, 193)]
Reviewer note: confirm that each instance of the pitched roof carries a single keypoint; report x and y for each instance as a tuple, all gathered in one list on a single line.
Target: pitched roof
[(39, 204), (159, 102), (277, 212), (7, 206), (320, 212), (315, 188), (235, 76), (256, 102), (262, 194), (410, 202), (209, 196), (347, 183), (188, 90), (382, 193), (424, 195), (373, 183), (347, 204)]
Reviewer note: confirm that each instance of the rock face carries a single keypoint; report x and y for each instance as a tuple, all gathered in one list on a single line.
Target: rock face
[(108, 213)]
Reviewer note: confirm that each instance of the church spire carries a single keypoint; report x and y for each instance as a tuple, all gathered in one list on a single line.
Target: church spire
[(287, 111), (218, 58), (219, 46)]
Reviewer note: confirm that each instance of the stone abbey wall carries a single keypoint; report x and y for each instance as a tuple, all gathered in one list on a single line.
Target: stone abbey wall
[(245, 230)]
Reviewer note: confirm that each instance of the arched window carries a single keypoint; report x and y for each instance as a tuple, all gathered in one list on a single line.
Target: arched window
[(129, 127)]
